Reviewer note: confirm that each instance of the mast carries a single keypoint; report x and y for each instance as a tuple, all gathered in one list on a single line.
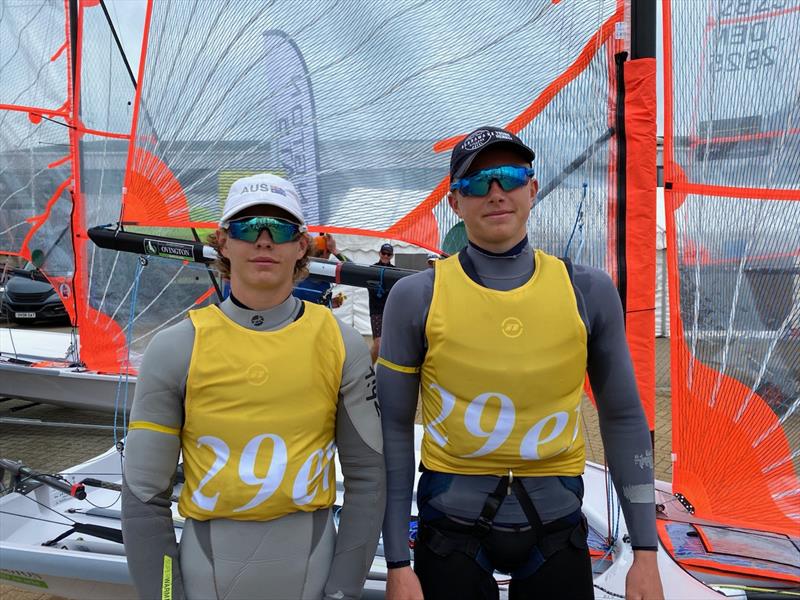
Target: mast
[(76, 220), (643, 29), (635, 194), (73, 39)]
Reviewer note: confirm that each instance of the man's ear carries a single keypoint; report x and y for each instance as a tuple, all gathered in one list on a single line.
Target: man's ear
[(452, 200), (534, 190), (303, 246)]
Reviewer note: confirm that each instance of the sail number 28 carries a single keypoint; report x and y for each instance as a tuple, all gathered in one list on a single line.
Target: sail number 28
[(314, 471)]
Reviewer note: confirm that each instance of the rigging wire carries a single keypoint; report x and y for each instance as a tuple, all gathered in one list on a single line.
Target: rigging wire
[(578, 224), (609, 592), (119, 497), (125, 374), (5, 512), (23, 480), (119, 44)]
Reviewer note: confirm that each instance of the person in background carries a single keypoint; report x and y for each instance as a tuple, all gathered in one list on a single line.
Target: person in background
[(432, 258), (377, 300), (258, 418)]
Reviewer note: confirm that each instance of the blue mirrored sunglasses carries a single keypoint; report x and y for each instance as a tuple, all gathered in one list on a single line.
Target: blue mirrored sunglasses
[(510, 177), (280, 230)]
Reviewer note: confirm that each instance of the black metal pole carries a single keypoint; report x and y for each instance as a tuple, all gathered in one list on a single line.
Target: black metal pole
[(73, 37), (622, 184), (348, 273), (643, 29)]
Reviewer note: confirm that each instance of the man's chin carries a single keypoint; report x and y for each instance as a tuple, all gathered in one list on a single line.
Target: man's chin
[(266, 281)]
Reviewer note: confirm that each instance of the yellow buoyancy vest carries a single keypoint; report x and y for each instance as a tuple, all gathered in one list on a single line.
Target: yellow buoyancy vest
[(503, 375), (258, 436)]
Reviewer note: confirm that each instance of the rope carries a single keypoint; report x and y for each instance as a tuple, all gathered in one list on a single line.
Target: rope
[(5, 512), (578, 223), (750, 588), (609, 592), (124, 377)]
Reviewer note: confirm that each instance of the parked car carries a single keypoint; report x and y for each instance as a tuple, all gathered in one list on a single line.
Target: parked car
[(27, 296)]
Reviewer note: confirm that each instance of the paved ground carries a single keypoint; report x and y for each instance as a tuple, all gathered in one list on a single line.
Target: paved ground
[(54, 448)]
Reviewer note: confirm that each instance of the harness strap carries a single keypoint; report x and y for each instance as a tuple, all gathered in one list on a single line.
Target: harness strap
[(444, 544), (483, 525), (527, 506), (550, 538)]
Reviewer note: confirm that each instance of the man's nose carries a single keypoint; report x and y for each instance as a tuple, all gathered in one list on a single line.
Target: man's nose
[(495, 190), (264, 239)]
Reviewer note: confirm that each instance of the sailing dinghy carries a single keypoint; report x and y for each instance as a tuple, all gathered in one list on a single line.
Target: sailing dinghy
[(369, 96), (54, 540)]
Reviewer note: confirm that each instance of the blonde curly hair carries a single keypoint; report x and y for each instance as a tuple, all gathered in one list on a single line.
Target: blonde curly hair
[(223, 265)]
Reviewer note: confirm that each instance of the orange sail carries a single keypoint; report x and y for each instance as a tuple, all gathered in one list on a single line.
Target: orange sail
[(732, 178)]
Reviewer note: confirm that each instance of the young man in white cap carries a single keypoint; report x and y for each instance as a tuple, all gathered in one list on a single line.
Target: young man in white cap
[(498, 339), (257, 393)]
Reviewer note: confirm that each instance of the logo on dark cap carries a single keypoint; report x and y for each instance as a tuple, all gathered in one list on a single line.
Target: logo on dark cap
[(257, 320), (477, 139)]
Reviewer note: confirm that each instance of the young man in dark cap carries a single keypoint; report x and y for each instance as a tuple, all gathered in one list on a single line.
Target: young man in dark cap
[(498, 339), (377, 301)]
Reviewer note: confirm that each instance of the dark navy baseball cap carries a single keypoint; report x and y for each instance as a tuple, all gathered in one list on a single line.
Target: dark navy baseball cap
[(480, 139)]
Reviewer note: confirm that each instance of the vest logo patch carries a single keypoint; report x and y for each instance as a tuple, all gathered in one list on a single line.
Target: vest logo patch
[(257, 320), (511, 327), (257, 374)]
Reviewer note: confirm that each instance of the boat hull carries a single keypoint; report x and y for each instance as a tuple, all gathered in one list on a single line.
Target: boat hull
[(89, 569), (62, 386)]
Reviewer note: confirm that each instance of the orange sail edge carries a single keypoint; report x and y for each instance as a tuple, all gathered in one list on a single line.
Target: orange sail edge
[(406, 228), (575, 69), (745, 478)]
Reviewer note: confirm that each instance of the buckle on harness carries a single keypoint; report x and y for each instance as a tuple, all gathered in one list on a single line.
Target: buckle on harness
[(483, 525)]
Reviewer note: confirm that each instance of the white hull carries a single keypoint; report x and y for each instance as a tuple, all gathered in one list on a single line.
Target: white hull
[(82, 567), (61, 386)]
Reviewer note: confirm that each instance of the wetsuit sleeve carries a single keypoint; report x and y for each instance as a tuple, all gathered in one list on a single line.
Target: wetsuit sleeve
[(402, 353), (152, 449), (623, 426), (360, 447)]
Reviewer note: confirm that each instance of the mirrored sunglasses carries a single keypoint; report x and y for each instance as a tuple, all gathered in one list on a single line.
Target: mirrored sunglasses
[(510, 177), (280, 230)]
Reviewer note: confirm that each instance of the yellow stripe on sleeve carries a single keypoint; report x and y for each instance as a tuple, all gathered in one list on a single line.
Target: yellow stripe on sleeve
[(398, 368), (153, 427)]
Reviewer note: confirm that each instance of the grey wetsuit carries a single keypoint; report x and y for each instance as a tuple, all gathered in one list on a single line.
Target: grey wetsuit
[(296, 556), (622, 422)]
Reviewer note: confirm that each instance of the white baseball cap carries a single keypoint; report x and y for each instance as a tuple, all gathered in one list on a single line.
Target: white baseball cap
[(264, 188)]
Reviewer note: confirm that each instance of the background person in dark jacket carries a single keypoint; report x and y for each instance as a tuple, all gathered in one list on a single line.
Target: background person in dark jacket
[(377, 300)]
